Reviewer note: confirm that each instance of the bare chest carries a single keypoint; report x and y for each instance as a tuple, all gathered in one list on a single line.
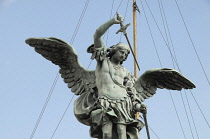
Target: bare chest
[(108, 69), (109, 80)]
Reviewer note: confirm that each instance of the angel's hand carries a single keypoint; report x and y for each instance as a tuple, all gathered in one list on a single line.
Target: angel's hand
[(143, 108), (118, 19), (140, 107)]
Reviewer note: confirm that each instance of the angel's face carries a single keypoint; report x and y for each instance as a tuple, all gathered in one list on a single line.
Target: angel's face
[(120, 55)]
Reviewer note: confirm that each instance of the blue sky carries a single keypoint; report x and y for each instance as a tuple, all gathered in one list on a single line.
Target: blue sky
[(27, 77)]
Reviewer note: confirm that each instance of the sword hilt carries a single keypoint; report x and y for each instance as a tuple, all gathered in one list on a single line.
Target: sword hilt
[(123, 28)]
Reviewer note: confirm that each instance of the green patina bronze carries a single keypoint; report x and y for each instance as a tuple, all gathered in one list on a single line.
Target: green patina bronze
[(109, 96)]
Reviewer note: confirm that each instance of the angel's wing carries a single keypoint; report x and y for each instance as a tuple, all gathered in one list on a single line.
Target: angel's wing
[(62, 54), (147, 83)]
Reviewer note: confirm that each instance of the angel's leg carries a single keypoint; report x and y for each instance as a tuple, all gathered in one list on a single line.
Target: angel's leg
[(107, 130), (121, 131)]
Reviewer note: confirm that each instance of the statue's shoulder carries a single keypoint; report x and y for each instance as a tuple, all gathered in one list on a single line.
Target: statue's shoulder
[(97, 53)]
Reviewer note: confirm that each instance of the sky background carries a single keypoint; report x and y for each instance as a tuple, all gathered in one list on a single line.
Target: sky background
[(26, 77)]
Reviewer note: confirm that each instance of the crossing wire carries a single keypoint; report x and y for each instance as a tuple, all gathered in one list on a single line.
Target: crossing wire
[(119, 5), (124, 18), (62, 117), (154, 132), (169, 34), (177, 63), (45, 105), (165, 23), (57, 76), (74, 94), (163, 16), (112, 7), (197, 57), (107, 33), (87, 68), (192, 42), (191, 115), (151, 34), (200, 109), (79, 22), (187, 115), (166, 29), (155, 48), (179, 68), (177, 114), (161, 34), (161, 66), (75, 33), (66, 109), (110, 18)]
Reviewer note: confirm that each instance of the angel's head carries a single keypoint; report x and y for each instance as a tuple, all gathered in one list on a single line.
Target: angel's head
[(122, 49)]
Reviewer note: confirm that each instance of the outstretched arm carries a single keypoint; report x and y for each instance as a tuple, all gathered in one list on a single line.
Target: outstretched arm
[(98, 43)]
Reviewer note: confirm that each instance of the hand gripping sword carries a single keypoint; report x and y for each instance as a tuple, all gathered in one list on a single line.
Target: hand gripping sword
[(123, 30)]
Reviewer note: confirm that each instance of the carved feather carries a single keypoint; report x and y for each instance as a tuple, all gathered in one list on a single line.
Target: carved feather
[(170, 79), (63, 54)]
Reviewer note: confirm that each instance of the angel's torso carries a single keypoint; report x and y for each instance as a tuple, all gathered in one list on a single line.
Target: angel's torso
[(109, 80)]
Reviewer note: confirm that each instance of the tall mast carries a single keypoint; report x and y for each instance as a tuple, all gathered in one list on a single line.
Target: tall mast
[(135, 38), (135, 47)]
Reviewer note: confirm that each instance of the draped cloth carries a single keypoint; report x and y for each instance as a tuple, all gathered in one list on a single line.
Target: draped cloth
[(96, 111)]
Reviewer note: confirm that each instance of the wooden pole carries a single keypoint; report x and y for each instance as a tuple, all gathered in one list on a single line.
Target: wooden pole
[(135, 48), (135, 38)]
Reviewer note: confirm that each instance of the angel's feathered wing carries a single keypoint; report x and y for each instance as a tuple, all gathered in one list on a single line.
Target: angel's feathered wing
[(63, 54), (80, 80), (147, 83)]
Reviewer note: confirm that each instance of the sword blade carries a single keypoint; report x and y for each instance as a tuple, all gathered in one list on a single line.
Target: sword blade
[(146, 124), (125, 34)]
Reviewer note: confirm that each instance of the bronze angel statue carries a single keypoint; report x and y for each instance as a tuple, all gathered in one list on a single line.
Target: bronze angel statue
[(109, 96)]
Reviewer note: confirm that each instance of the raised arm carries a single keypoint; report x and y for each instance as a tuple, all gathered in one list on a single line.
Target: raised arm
[(98, 43)]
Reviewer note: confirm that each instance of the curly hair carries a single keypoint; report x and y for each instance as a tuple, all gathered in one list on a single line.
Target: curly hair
[(120, 46)]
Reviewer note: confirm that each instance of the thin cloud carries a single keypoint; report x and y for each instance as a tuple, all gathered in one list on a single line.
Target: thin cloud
[(6, 2)]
